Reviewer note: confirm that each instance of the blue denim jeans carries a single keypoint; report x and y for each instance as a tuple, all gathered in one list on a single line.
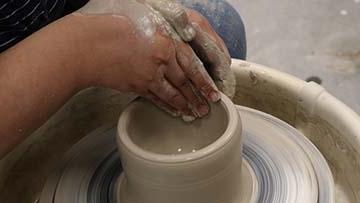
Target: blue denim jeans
[(226, 21)]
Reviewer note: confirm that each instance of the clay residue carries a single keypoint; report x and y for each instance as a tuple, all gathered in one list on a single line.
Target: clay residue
[(349, 55), (253, 78), (176, 15), (345, 61), (212, 6), (143, 16), (341, 156)]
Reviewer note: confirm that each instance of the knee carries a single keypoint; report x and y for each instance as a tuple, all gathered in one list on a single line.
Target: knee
[(225, 20)]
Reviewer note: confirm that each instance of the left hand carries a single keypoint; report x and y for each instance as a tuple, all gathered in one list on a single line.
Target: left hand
[(208, 45), (213, 52)]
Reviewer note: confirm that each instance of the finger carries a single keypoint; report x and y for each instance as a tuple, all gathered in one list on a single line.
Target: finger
[(196, 72), (176, 15), (200, 21), (176, 76), (219, 61), (162, 105), (170, 95), (208, 49)]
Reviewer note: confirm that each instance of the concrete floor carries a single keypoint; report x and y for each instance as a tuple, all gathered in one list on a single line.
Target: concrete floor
[(308, 38)]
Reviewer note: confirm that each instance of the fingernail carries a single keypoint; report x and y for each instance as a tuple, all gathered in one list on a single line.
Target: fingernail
[(188, 118), (203, 110), (214, 96)]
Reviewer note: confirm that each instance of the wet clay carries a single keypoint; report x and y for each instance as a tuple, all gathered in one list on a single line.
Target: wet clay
[(176, 15), (184, 162), (177, 136), (145, 18), (171, 17)]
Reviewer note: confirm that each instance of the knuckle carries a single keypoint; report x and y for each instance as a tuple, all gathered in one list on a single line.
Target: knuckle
[(175, 98), (182, 81), (172, 96), (206, 87), (192, 66), (195, 100), (163, 48), (183, 58), (193, 70)]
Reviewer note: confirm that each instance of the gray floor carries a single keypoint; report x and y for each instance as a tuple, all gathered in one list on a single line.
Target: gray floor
[(308, 38)]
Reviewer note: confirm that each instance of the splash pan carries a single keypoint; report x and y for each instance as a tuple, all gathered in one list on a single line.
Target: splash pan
[(279, 165)]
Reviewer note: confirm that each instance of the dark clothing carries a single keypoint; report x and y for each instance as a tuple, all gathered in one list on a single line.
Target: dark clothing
[(21, 18)]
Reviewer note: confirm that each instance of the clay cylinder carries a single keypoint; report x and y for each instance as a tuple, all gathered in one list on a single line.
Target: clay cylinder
[(167, 160)]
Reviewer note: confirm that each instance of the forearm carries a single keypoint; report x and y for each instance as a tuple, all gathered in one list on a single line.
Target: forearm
[(38, 75)]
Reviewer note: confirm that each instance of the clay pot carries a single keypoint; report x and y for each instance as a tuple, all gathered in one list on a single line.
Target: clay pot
[(167, 160)]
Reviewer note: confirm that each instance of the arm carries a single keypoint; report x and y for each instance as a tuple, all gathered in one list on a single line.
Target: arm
[(41, 73)]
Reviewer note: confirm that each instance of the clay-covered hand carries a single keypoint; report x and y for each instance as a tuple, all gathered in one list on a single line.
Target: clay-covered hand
[(213, 52), (151, 60), (195, 29)]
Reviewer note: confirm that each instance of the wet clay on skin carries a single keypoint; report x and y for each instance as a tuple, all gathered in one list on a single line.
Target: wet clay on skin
[(172, 18)]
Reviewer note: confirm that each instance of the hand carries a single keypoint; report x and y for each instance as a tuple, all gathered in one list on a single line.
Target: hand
[(194, 28), (150, 61), (213, 52)]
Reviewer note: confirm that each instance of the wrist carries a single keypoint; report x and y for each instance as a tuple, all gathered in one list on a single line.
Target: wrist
[(102, 43)]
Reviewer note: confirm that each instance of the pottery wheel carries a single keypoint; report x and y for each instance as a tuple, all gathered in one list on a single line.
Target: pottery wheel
[(279, 165)]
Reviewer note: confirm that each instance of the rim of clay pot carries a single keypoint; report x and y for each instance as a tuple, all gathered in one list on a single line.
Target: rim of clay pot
[(218, 144)]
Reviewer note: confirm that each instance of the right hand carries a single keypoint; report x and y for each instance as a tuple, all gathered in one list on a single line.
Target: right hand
[(207, 44), (146, 60)]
